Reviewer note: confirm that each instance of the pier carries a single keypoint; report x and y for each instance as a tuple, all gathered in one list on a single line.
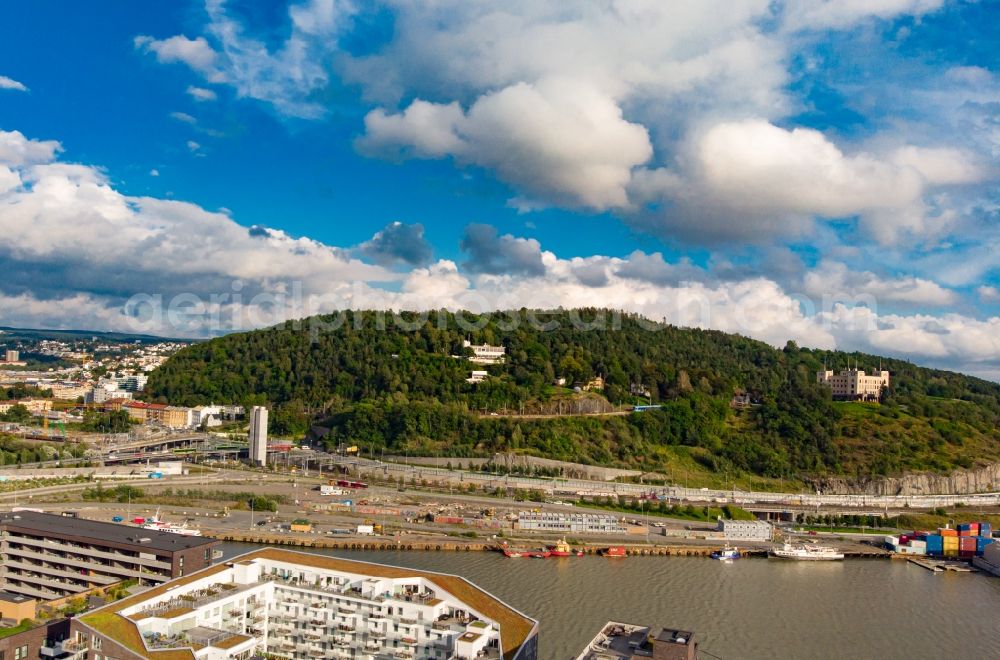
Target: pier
[(354, 543), (940, 566)]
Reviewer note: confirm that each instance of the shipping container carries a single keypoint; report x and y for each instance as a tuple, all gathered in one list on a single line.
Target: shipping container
[(951, 552), (967, 543), (964, 526), (944, 531), (986, 530), (918, 543), (981, 544)]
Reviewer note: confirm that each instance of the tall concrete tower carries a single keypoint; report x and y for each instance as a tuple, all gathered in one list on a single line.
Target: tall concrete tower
[(258, 436)]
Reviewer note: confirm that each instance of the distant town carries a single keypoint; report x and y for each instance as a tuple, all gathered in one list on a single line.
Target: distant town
[(97, 373)]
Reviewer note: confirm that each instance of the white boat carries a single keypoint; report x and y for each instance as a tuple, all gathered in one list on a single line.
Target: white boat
[(159, 525), (806, 552)]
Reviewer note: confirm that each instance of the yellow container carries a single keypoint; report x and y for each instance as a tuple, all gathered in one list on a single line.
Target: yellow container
[(950, 542)]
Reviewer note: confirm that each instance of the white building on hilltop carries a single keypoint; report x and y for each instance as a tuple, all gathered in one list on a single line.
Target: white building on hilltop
[(854, 384), (477, 377), (485, 353), (286, 604)]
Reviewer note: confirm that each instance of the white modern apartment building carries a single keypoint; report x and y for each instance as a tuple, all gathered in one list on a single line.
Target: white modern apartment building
[(854, 384), (258, 435), (286, 604), (105, 391), (485, 353)]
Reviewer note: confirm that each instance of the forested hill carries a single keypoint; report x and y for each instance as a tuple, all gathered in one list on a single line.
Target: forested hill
[(376, 381)]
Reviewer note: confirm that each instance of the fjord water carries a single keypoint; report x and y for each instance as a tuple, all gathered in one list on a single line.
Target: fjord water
[(748, 610)]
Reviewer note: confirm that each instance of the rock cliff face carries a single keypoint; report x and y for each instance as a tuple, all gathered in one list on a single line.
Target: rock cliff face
[(963, 482)]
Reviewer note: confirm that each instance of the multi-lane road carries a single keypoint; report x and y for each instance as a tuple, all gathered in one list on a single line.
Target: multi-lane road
[(163, 446), (581, 486)]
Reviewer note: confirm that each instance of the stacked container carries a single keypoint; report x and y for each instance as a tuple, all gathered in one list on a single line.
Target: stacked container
[(935, 544), (968, 529), (967, 540)]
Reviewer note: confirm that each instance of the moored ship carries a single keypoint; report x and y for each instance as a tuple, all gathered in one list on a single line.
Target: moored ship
[(159, 525), (806, 552), (563, 549), (726, 554)]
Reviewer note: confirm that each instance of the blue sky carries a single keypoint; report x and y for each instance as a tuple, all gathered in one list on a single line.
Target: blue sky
[(808, 170)]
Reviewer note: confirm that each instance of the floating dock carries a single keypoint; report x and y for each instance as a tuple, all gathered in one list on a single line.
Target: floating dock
[(940, 566)]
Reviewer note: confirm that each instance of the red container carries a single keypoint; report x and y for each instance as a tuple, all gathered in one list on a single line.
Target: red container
[(966, 553), (967, 544), (966, 532)]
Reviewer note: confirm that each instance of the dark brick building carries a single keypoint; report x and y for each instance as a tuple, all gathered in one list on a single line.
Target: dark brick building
[(47, 556), (44, 640)]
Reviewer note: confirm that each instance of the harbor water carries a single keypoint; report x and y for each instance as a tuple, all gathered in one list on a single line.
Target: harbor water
[(744, 610)]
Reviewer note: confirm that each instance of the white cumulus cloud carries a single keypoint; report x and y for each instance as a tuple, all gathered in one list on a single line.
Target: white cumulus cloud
[(557, 140), (10, 83), (195, 53), (201, 94)]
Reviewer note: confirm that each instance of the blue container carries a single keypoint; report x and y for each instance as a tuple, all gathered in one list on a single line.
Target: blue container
[(935, 544), (985, 530), (981, 544), (964, 527)]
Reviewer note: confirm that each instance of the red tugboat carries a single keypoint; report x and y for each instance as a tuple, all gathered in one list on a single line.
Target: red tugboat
[(563, 549)]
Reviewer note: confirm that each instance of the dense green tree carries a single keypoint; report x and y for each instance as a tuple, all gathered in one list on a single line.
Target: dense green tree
[(398, 382), (18, 414)]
